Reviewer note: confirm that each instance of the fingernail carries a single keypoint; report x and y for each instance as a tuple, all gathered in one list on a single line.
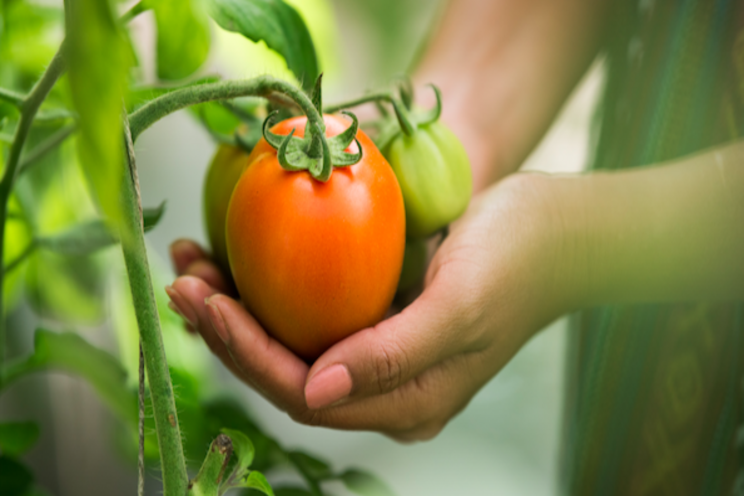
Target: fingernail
[(180, 305), (328, 386), (218, 322)]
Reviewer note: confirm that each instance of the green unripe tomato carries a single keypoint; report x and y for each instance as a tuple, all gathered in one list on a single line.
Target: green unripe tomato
[(414, 264), (434, 175), (224, 171)]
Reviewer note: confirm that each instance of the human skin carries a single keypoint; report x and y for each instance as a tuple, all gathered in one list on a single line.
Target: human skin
[(530, 248)]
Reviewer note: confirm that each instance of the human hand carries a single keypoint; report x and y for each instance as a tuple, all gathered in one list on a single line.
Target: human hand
[(493, 282)]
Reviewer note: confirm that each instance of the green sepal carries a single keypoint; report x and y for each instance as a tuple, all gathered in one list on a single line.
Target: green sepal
[(433, 114), (314, 152), (341, 142), (275, 140), (344, 159), (287, 156), (322, 167), (407, 125), (405, 88)]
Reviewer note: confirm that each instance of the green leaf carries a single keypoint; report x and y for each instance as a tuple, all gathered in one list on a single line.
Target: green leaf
[(310, 466), (183, 37), (98, 60), (17, 437), (88, 237), (227, 412), (365, 483), (278, 25), (258, 482), (15, 478), (81, 239), (68, 352), (244, 449), (151, 216)]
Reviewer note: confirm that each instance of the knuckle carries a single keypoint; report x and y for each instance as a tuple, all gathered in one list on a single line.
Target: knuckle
[(312, 418), (390, 365)]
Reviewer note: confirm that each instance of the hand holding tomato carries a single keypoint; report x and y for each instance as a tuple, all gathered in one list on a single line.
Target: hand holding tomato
[(489, 287)]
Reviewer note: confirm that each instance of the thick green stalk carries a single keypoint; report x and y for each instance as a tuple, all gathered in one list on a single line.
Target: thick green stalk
[(263, 86), (28, 106), (172, 461)]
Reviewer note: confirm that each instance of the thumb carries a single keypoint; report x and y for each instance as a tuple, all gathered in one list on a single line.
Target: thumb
[(377, 360)]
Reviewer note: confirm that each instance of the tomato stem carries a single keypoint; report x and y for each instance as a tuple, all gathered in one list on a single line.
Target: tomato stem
[(262, 86), (173, 462), (385, 96)]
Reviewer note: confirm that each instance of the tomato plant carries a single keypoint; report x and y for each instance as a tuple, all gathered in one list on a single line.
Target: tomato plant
[(57, 224), (315, 261)]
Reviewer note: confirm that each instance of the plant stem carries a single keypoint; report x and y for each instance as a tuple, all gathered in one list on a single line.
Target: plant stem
[(20, 258), (12, 97), (173, 463), (130, 14), (375, 97), (141, 425), (45, 147), (28, 106), (263, 86)]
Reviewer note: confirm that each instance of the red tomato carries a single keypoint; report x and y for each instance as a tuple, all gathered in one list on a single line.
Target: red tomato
[(315, 262)]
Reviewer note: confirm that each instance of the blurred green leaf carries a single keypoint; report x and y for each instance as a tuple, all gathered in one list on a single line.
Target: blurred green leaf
[(243, 448), (91, 236), (364, 483), (183, 37), (81, 239), (68, 352), (291, 491), (216, 118), (257, 482), (98, 59), (278, 25), (67, 288), (17, 437), (151, 216), (310, 466), (17, 239), (15, 478)]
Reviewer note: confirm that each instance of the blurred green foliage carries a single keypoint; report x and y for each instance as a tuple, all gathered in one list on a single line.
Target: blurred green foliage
[(65, 207)]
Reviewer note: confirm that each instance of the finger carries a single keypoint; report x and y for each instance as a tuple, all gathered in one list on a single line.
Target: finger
[(271, 368), (419, 409), (185, 252), (211, 274), (188, 295), (380, 359)]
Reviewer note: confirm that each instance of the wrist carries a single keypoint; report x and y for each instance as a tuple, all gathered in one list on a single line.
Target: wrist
[(565, 254)]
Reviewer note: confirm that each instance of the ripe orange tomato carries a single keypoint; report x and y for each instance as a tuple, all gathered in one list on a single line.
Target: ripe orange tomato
[(315, 262)]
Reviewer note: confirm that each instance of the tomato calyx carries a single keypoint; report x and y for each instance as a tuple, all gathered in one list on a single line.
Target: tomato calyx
[(314, 153)]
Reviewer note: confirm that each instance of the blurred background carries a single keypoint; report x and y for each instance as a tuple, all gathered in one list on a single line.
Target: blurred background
[(505, 442)]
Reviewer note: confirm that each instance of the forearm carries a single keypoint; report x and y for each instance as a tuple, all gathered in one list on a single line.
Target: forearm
[(672, 232), (505, 68)]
